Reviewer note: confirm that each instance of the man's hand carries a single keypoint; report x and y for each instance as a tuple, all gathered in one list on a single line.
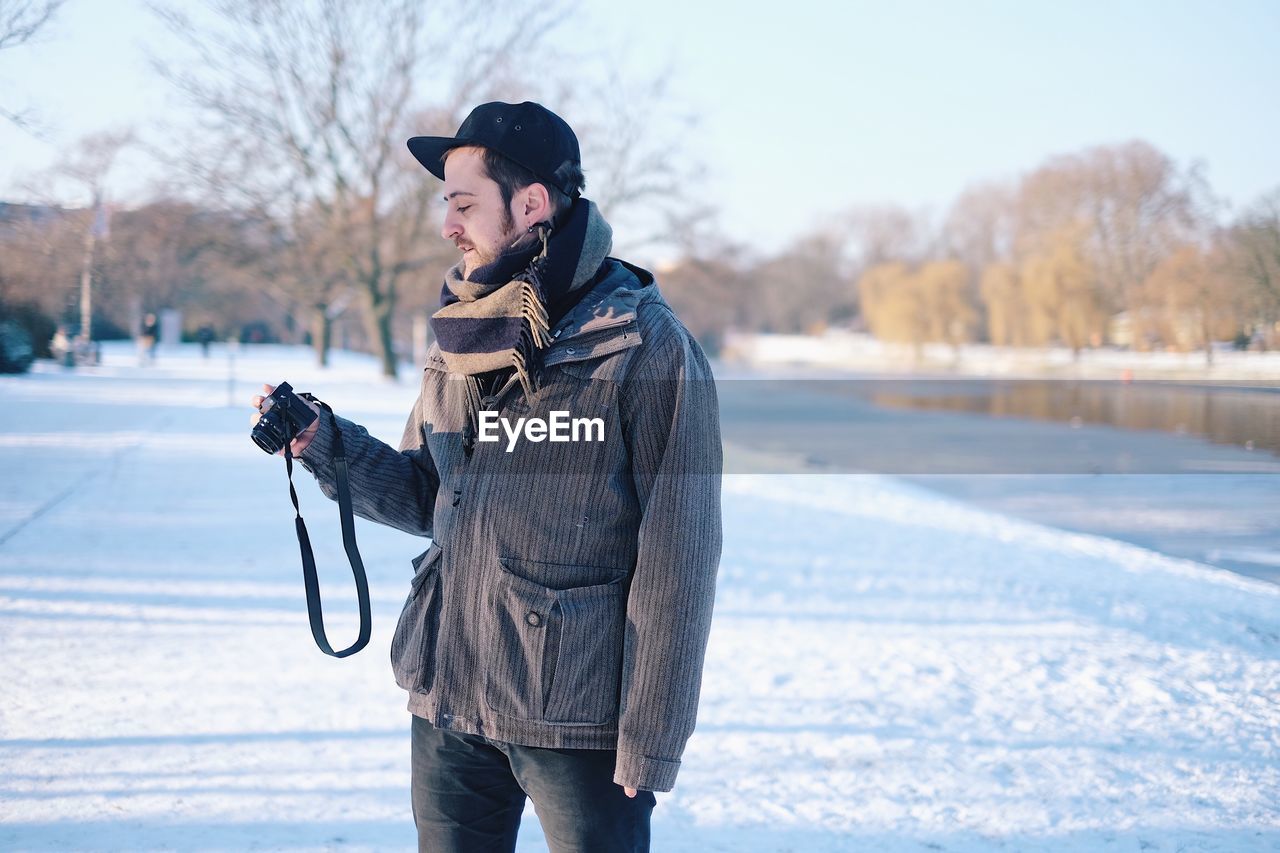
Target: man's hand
[(630, 792), (300, 443)]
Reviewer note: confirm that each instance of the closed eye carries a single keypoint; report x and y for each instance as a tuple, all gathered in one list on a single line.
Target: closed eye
[(463, 208)]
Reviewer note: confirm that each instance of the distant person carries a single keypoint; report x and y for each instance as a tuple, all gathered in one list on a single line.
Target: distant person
[(149, 340), (62, 346), (553, 641), (205, 336)]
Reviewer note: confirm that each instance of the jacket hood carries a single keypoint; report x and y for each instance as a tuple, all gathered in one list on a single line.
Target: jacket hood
[(611, 303)]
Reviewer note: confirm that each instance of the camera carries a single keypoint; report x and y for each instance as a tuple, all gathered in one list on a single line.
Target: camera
[(284, 416)]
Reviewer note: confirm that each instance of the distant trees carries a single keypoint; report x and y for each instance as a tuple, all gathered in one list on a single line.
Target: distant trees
[(306, 108), (1189, 301), (709, 294), (893, 303), (40, 252), (1112, 244), (304, 111), (909, 306), (1115, 244), (315, 217), (172, 254), (165, 254), (1128, 206), (1251, 249)]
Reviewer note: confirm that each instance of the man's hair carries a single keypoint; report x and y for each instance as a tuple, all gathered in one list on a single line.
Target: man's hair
[(511, 177)]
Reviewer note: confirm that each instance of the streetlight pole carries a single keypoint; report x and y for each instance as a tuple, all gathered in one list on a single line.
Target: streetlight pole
[(86, 286)]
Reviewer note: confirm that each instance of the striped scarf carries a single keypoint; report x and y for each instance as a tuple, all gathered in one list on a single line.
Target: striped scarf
[(501, 316)]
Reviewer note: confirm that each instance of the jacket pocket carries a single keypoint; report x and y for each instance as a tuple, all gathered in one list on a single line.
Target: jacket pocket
[(557, 652), (413, 643)]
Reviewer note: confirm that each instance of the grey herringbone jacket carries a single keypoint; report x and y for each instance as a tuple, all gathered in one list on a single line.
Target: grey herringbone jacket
[(566, 598)]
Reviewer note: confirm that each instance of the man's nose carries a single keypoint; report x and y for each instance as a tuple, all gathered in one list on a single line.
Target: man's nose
[(451, 230)]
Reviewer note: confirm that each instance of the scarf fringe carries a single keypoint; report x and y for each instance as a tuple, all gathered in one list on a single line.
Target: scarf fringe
[(471, 392), (535, 336)]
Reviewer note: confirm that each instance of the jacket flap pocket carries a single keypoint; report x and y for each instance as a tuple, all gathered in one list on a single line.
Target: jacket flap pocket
[(423, 564), (610, 365), (560, 580)]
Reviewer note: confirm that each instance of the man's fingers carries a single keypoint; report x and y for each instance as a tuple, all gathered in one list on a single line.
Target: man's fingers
[(630, 792), (257, 400)]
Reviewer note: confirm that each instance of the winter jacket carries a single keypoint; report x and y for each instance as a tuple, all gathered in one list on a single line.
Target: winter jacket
[(566, 598)]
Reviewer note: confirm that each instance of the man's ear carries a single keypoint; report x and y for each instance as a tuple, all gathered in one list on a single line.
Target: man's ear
[(535, 204)]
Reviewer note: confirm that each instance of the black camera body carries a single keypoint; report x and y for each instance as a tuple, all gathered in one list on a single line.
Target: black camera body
[(284, 416)]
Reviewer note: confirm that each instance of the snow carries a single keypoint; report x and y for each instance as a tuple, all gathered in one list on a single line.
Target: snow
[(888, 670), (838, 349)]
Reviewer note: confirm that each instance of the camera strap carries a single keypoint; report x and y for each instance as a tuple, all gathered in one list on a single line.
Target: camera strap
[(315, 612)]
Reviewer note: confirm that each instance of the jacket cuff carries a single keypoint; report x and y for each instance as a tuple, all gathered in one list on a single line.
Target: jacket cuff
[(645, 774), (320, 450)]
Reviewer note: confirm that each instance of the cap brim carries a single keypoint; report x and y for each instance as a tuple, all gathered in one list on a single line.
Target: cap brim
[(430, 149)]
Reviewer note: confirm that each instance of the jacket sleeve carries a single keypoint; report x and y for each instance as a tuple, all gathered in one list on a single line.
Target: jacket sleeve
[(671, 421), (395, 488)]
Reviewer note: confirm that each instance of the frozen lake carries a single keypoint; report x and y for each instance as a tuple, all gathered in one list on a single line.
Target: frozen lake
[(1123, 461)]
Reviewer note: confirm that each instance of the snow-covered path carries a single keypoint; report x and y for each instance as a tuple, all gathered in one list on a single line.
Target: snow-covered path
[(889, 670)]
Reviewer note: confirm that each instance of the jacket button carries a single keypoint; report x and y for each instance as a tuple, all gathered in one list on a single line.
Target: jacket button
[(533, 618), (570, 350)]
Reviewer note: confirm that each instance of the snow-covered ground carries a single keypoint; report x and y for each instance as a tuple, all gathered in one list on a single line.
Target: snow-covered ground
[(889, 670)]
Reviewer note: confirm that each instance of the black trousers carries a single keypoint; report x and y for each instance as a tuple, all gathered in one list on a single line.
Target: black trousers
[(468, 793)]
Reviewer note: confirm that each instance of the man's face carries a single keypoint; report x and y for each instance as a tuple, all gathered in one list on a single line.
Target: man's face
[(476, 221)]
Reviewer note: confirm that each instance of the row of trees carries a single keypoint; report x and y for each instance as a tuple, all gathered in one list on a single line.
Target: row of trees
[(1115, 244), (294, 200), (1111, 245), (296, 207), (1015, 267)]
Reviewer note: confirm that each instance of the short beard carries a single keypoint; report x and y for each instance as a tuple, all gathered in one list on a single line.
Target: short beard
[(512, 239)]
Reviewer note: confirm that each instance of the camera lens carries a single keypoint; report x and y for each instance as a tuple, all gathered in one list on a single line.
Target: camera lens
[(268, 433)]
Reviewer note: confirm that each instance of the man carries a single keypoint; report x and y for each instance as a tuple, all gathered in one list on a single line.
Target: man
[(553, 639), (150, 337)]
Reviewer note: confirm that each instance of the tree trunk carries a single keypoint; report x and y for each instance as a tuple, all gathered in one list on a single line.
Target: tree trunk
[(1206, 332), (381, 307), (386, 345), (322, 334)]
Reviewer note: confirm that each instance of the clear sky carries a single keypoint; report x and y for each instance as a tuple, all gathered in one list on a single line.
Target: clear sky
[(810, 108)]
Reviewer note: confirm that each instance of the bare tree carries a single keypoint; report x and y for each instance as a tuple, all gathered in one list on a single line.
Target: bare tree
[(708, 291), (1253, 246), (888, 233), (1138, 204), (640, 170), (83, 174), (803, 288), (979, 231), (917, 306), (1002, 297), (1060, 291), (894, 305), (979, 228), (950, 314), (1197, 299), (40, 258), (20, 22), (306, 107)]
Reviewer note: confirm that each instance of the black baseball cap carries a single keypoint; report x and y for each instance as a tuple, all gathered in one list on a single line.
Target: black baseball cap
[(528, 133)]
